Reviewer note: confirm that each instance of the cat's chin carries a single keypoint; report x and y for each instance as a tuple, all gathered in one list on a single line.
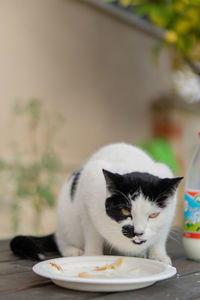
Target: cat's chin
[(139, 242)]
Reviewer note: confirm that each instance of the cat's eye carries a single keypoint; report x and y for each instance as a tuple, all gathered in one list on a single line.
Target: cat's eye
[(126, 212), (153, 215)]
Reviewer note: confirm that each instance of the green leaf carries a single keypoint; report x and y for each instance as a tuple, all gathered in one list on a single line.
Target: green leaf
[(45, 192), (185, 43), (51, 162), (142, 10), (3, 165)]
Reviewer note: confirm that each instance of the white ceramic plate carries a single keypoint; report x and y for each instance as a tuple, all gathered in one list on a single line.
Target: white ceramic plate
[(134, 273)]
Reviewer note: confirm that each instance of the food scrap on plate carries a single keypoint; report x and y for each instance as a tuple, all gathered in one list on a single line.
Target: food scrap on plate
[(55, 266), (85, 275), (112, 266)]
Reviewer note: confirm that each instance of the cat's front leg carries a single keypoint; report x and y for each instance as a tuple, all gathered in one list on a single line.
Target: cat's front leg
[(94, 247), (158, 252), (72, 251), (93, 242)]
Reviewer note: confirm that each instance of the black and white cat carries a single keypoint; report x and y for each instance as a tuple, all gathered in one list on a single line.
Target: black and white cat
[(120, 197)]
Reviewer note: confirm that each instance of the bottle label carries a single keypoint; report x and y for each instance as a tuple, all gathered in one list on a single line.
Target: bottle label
[(192, 215)]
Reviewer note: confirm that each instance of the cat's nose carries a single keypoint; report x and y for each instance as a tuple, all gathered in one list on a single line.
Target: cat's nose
[(139, 233)]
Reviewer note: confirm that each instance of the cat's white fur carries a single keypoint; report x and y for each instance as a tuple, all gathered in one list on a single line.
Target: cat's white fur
[(82, 223)]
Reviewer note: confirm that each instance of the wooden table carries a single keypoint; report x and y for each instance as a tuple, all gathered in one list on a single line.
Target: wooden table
[(17, 281)]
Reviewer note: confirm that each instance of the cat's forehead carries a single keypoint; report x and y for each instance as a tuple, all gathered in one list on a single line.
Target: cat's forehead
[(141, 204), (139, 179), (137, 182)]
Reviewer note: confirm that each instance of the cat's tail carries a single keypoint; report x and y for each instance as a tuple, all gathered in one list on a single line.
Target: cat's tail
[(33, 247)]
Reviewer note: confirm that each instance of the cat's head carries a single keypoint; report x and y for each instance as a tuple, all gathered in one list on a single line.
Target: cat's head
[(138, 202)]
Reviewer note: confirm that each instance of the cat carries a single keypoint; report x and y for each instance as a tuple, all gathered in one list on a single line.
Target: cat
[(120, 197)]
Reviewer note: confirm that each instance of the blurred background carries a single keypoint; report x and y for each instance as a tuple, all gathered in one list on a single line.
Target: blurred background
[(76, 75)]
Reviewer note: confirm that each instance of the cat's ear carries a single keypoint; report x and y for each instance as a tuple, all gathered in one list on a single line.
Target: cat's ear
[(166, 189), (113, 181), (170, 184)]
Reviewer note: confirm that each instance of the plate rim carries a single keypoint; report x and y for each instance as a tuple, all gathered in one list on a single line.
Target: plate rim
[(168, 272)]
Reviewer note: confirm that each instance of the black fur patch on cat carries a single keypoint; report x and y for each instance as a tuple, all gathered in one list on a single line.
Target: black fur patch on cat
[(114, 206), (33, 247), (128, 231), (75, 179), (122, 187)]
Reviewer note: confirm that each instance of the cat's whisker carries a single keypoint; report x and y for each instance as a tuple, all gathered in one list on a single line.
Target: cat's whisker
[(176, 237), (174, 231), (111, 248), (172, 238)]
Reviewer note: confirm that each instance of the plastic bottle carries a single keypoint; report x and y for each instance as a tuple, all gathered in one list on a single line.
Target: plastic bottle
[(191, 230)]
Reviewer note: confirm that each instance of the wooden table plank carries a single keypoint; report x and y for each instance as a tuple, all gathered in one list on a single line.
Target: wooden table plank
[(185, 266), (18, 266), (51, 292), (5, 253), (17, 281), (184, 288), (4, 245), (7, 256)]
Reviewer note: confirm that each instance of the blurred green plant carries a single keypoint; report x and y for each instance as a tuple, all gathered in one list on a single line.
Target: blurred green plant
[(161, 151), (181, 21), (34, 173)]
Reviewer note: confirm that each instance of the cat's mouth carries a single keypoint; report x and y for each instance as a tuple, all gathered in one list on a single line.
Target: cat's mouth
[(139, 242)]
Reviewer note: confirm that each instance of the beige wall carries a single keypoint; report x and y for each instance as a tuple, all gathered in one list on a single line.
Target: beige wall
[(93, 67)]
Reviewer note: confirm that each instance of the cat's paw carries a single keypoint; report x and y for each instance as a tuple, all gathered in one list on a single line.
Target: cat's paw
[(93, 253), (72, 251), (165, 259), (142, 255)]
